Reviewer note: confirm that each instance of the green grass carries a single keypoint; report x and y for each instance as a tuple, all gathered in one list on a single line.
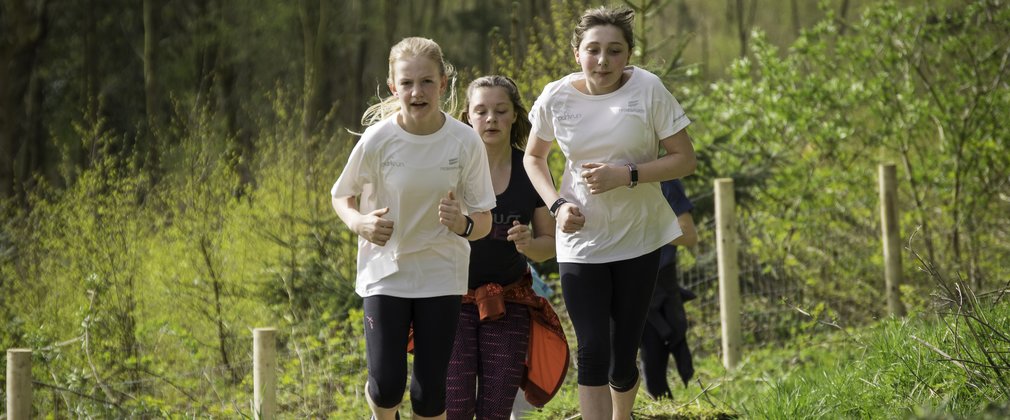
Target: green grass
[(892, 369)]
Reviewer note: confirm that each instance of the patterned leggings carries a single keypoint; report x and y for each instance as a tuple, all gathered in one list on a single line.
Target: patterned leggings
[(487, 363)]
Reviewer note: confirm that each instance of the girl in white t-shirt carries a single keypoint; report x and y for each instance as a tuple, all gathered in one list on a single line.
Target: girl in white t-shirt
[(609, 121), (403, 191)]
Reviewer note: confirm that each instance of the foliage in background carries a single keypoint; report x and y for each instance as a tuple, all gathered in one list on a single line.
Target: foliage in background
[(802, 135), (138, 278), (140, 298)]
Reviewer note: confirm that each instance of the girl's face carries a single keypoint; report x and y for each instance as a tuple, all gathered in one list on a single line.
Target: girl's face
[(603, 54), (418, 85), (491, 113)]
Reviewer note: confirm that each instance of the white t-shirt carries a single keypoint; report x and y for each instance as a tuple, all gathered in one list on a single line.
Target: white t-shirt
[(616, 128), (410, 174)]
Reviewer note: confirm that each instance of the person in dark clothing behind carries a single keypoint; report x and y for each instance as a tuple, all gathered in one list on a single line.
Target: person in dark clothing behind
[(666, 326), (489, 355)]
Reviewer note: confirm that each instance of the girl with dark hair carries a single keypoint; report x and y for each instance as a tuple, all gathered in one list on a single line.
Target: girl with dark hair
[(609, 120)]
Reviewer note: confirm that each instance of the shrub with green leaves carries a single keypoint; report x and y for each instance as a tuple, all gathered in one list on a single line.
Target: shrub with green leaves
[(802, 131)]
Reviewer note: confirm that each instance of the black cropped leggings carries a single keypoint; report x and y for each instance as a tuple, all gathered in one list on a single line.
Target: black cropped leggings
[(387, 323), (608, 304)]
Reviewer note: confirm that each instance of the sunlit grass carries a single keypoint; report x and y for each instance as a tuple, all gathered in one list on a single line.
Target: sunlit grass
[(882, 371)]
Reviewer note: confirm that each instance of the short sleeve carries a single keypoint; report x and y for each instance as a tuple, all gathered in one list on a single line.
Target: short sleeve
[(355, 175), (667, 114), (673, 190), (541, 119), (478, 192)]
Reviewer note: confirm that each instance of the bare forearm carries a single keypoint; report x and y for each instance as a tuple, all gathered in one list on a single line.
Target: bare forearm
[(481, 225), (347, 211), (535, 163), (690, 233), (667, 167), (541, 248), (679, 161)]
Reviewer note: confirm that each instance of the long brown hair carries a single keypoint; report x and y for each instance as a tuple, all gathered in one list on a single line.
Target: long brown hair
[(520, 130)]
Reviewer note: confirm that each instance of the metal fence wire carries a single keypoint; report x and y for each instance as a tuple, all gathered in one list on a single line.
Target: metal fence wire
[(769, 296)]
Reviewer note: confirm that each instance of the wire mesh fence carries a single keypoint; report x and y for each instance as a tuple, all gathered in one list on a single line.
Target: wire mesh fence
[(769, 296)]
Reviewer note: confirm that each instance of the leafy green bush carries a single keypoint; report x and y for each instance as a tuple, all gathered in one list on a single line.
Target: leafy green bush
[(138, 289), (802, 132)]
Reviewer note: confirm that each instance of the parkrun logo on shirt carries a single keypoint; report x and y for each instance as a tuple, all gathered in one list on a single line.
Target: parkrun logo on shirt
[(633, 108), (393, 163), (567, 117), (453, 164)]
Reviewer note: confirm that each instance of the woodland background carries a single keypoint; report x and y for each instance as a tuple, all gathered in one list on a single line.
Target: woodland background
[(165, 167)]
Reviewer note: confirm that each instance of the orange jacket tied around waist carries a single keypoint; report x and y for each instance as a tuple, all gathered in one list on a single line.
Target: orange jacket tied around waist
[(547, 357)]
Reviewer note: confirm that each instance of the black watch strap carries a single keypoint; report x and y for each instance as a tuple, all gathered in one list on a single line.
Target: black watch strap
[(469, 227), (634, 174), (557, 205)]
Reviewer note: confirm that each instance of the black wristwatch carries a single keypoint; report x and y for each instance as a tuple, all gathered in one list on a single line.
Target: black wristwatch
[(469, 227), (634, 174), (557, 205)]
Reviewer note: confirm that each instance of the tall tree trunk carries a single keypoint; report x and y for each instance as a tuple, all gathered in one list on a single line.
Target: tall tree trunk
[(686, 22), (152, 90), (794, 5), (391, 10), (207, 57), (436, 13), (148, 142), (515, 37), (229, 71), (843, 13), (90, 88), (20, 143), (314, 28), (355, 106), (741, 27)]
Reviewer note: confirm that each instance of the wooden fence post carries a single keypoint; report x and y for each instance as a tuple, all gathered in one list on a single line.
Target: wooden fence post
[(19, 384), (265, 373), (729, 271), (890, 234)]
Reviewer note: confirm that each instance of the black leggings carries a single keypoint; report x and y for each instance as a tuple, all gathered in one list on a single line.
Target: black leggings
[(608, 304), (387, 322)]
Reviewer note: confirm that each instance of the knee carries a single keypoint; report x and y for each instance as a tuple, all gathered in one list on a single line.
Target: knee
[(385, 394), (624, 376), (594, 361), (624, 381), (426, 403)]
